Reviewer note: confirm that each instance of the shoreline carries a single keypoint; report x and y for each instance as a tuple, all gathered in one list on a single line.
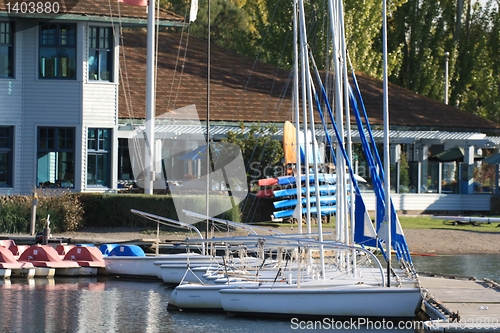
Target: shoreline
[(420, 241)]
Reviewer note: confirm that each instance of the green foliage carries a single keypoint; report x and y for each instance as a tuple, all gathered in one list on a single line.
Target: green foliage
[(15, 214), (261, 153), (404, 176), (72, 211), (65, 210), (419, 34)]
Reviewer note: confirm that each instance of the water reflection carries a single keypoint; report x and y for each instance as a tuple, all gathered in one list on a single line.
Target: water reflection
[(112, 305), (479, 266), (103, 304)]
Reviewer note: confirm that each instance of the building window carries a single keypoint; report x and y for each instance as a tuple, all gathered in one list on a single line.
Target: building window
[(6, 49), (57, 51), (124, 164), (99, 157), (6, 148), (100, 63), (56, 157)]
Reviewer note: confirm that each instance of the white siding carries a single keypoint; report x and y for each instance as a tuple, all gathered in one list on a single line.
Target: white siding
[(11, 107), (45, 103), (412, 202), (99, 104), (99, 110)]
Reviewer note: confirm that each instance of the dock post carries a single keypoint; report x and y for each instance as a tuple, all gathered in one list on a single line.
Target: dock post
[(34, 203), (46, 231)]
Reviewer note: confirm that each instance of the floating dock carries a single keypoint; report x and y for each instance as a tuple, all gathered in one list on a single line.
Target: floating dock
[(461, 305)]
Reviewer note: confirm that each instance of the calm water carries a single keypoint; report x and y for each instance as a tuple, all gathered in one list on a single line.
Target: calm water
[(116, 305)]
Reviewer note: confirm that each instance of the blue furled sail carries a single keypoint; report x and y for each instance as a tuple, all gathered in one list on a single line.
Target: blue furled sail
[(398, 241), (364, 232)]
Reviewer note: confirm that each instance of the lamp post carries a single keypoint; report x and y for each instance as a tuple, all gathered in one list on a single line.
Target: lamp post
[(446, 54)]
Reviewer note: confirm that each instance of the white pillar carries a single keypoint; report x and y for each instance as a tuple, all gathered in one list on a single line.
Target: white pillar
[(469, 165)]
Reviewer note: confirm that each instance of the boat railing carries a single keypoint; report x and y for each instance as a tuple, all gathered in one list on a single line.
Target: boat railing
[(167, 222), (252, 228), (268, 242)]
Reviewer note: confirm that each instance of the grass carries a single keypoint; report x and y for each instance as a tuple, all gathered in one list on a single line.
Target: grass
[(428, 222), (422, 222)]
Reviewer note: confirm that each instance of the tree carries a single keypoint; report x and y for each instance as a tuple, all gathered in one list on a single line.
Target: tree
[(261, 153), (419, 34)]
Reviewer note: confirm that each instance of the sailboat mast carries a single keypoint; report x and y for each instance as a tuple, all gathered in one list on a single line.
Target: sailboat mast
[(150, 102), (340, 167), (387, 183), (298, 168), (304, 81), (349, 237), (207, 159), (306, 88)]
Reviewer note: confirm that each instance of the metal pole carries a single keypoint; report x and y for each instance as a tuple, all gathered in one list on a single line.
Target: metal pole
[(34, 203), (150, 102), (207, 198), (446, 54), (387, 181)]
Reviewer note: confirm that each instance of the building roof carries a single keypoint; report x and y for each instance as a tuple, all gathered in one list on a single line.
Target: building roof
[(93, 10), (243, 89)]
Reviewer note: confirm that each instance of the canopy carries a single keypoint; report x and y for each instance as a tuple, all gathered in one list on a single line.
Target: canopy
[(493, 159), (455, 154), (198, 153)]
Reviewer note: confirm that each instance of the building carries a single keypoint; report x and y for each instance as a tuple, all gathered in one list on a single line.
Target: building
[(59, 77), (75, 95)]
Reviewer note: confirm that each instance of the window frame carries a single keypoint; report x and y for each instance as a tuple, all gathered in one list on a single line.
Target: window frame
[(8, 151), (61, 143), (96, 46), (10, 48), (101, 150), (60, 42)]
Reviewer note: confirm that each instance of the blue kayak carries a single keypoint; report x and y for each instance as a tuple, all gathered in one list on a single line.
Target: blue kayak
[(289, 212), (325, 200)]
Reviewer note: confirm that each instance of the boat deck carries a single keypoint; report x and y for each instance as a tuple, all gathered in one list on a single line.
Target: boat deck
[(461, 305)]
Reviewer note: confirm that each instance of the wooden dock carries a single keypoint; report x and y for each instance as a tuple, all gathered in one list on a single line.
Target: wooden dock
[(461, 305)]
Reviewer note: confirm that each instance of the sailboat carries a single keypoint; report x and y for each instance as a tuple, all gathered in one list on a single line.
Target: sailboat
[(316, 286), (327, 294)]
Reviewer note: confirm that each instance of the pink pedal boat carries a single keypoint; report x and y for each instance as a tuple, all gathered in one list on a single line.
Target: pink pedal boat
[(48, 262), (10, 267), (89, 258)]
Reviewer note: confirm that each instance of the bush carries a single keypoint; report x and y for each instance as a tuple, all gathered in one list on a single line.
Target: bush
[(15, 214), (72, 211)]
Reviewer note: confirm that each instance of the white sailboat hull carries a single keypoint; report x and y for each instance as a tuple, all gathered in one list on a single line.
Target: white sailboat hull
[(148, 266), (200, 297), (345, 301), (177, 273)]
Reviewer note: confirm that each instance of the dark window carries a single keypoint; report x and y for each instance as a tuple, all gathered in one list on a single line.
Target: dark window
[(57, 51), (6, 49), (6, 153), (100, 62), (56, 157), (124, 164), (99, 157)]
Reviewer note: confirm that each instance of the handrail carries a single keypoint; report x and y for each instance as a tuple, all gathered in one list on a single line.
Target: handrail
[(231, 223), (292, 242), (168, 222)]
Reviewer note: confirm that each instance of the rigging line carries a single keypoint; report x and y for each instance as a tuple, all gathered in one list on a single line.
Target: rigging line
[(182, 66), (255, 63), (169, 100), (126, 84), (288, 81)]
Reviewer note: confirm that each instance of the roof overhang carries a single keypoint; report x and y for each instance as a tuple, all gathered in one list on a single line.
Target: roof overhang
[(463, 139), (124, 21)]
